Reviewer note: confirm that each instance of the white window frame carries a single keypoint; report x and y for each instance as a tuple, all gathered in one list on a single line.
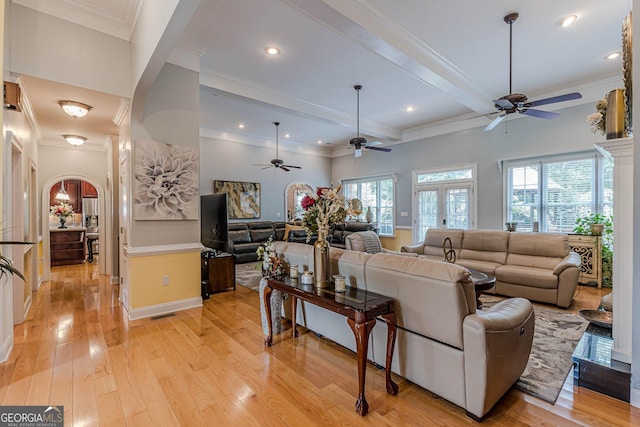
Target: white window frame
[(471, 183), (368, 179), (542, 160)]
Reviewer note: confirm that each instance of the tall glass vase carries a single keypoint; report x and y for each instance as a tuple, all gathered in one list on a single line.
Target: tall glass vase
[(321, 263)]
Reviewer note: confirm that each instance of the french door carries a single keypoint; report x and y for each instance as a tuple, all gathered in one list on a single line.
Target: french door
[(442, 206)]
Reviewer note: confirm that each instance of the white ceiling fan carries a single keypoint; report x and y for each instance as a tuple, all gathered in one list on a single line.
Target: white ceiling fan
[(277, 162)]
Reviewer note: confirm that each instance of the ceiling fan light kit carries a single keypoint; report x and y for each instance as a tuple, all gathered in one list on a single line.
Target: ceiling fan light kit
[(518, 102), (359, 142)]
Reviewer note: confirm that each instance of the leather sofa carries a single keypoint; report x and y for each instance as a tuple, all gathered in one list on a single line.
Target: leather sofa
[(469, 357), (536, 266), (245, 237), (339, 232)]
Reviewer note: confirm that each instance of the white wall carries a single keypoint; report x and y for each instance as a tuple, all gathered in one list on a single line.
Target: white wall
[(526, 137), (231, 161), (76, 56)]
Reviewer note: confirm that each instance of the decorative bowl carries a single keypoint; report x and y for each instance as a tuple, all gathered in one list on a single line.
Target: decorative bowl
[(601, 318)]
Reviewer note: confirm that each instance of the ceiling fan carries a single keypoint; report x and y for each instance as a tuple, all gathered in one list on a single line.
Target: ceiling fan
[(518, 102), (278, 163), (359, 142)]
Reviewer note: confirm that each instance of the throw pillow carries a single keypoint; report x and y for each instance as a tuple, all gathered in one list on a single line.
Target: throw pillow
[(288, 228), (371, 242)]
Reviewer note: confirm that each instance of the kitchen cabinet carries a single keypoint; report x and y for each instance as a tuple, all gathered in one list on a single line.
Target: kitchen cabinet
[(67, 246), (73, 189), (88, 190)]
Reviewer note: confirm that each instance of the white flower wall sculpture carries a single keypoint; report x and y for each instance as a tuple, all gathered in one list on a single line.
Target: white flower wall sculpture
[(166, 181)]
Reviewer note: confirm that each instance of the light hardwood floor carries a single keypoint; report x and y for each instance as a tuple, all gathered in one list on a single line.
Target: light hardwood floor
[(208, 367)]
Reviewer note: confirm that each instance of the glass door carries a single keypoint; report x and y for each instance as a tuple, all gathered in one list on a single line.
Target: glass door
[(442, 206)]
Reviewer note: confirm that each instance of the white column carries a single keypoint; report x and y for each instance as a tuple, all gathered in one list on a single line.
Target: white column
[(621, 151)]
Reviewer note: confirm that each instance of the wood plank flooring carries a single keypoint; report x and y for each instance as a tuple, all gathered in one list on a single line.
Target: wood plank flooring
[(207, 366)]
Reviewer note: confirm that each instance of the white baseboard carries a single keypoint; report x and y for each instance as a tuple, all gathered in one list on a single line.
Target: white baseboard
[(170, 307), (635, 397), (5, 350)]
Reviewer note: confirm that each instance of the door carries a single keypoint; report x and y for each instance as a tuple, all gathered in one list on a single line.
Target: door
[(442, 206)]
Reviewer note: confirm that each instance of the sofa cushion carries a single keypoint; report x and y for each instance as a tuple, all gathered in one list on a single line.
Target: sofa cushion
[(484, 266), (549, 247), (244, 248), (485, 245), (288, 228), (239, 233), (261, 235), (260, 225), (532, 276), (279, 228), (435, 237)]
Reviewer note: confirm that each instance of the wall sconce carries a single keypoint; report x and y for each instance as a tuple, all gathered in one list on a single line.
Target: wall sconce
[(75, 139), (74, 109)]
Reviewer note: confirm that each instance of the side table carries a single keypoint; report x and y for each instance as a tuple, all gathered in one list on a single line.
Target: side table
[(218, 270)]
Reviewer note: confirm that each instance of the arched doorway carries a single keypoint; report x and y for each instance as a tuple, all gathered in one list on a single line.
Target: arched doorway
[(90, 217)]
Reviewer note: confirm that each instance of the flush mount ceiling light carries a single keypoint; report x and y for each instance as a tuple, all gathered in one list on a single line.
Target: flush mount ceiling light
[(612, 55), (567, 20), (74, 109), (62, 193), (75, 139), (272, 50)]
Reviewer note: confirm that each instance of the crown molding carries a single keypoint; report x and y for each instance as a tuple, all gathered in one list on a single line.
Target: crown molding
[(27, 109), (187, 56), (121, 112)]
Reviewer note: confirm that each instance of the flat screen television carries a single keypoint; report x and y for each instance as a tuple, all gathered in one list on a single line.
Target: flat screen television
[(213, 221)]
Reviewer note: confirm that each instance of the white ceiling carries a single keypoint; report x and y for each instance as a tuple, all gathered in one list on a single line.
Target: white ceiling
[(448, 59)]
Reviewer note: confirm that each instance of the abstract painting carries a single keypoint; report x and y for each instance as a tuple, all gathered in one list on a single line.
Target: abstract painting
[(243, 198), (166, 182)]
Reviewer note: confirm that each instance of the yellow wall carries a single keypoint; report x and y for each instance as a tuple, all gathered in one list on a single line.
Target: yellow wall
[(402, 237), (146, 273)]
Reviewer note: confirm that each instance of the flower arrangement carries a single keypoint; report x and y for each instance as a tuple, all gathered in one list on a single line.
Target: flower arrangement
[(61, 210), (599, 118), (271, 265), (326, 207)]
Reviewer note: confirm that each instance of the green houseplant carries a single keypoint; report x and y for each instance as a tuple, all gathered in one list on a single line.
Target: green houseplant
[(588, 225), (6, 265)]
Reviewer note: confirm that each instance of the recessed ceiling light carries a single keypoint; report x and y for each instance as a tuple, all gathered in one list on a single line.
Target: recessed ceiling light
[(612, 55), (409, 108), (272, 50), (567, 20), (319, 141), (241, 125), (286, 135)]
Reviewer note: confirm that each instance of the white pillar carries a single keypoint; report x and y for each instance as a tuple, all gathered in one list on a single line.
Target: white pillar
[(621, 151)]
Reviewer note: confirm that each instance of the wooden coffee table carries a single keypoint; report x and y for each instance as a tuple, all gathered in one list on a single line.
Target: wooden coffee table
[(482, 282), (360, 307)]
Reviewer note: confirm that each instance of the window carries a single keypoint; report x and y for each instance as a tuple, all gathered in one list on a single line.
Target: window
[(444, 198), (377, 194), (555, 191)]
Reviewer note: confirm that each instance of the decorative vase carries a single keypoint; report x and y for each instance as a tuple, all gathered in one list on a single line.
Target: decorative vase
[(615, 118), (369, 215), (63, 222), (321, 263)]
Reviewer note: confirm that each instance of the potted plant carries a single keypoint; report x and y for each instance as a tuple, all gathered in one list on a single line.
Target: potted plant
[(597, 224), (6, 265)]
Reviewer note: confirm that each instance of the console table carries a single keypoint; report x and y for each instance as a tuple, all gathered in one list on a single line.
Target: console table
[(360, 307)]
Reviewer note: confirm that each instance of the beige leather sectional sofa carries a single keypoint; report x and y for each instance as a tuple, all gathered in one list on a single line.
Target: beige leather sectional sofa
[(468, 357), (536, 266)]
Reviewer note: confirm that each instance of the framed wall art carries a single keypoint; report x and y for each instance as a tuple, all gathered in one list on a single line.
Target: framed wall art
[(166, 182), (243, 198)]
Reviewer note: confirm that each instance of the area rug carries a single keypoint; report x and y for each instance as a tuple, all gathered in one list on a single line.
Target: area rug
[(248, 275), (557, 333), (556, 336)]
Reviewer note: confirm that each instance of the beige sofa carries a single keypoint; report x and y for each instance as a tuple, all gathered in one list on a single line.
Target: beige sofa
[(469, 358), (536, 266)]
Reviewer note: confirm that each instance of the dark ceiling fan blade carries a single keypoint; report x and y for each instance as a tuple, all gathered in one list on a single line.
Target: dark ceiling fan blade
[(495, 122), (503, 103), (284, 168), (540, 114), (386, 150), (291, 166), (266, 167), (554, 99)]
